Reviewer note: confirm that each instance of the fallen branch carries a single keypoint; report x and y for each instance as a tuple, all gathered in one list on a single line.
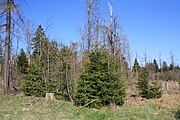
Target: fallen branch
[(90, 102)]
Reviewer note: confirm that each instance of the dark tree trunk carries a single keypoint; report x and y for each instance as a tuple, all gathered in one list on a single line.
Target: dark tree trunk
[(7, 47)]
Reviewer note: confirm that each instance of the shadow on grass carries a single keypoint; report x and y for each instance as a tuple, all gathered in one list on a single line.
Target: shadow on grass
[(177, 115)]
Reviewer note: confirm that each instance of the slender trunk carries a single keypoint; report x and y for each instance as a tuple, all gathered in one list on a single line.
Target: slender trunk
[(90, 9), (97, 34), (110, 33), (1, 54), (17, 49), (67, 84), (7, 48), (28, 51), (28, 56), (48, 58)]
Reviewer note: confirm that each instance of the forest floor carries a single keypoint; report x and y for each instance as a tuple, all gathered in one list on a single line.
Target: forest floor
[(19, 107)]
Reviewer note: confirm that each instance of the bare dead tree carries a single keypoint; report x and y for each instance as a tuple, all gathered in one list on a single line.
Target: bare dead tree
[(97, 33), (29, 28), (145, 58), (7, 8), (172, 64), (91, 5), (160, 64), (172, 59), (111, 27), (1, 52), (7, 47), (90, 9)]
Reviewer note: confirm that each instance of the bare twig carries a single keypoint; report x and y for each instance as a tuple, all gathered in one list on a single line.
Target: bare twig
[(90, 102)]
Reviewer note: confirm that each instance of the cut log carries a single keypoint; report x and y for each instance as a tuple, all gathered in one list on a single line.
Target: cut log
[(50, 96)]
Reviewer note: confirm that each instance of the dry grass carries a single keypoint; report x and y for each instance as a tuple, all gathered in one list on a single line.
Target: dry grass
[(167, 101)]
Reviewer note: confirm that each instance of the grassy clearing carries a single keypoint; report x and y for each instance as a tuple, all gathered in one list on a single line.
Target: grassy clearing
[(19, 107)]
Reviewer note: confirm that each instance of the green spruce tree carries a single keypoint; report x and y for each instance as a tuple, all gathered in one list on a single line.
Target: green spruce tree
[(98, 85), (165, 67), (143, 84), (33, 85), (136, 67), (38, 42), (148, 90), (156, 68), (22, 62)]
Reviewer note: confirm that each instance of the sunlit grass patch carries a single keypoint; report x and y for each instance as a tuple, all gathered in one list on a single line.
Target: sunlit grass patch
[(19, 107)]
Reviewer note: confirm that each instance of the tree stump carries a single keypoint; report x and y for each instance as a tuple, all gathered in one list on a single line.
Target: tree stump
[(49, 96), (166, 86)]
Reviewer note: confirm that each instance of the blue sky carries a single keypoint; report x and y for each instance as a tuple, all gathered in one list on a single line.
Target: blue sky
[(151, 25)]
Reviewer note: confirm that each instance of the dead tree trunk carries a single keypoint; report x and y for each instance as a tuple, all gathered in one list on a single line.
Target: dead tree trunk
[(1, 54), (90, 9), (97, 34), (29, 31), (7, 47), (91, 6)]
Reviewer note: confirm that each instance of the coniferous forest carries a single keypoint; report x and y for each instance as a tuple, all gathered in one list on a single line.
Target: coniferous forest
[(96, 72)]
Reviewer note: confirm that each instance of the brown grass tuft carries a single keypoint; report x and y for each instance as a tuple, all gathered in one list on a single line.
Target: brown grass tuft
[(168, 101)]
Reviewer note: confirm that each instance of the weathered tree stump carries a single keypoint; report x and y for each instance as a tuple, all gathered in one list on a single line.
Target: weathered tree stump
[(166, 87), (49, 96)]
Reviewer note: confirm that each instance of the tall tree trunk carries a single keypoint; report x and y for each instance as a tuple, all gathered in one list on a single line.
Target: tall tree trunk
[(110, 31), (90, 9), (7, 47), (1, 54), (97, 34)]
